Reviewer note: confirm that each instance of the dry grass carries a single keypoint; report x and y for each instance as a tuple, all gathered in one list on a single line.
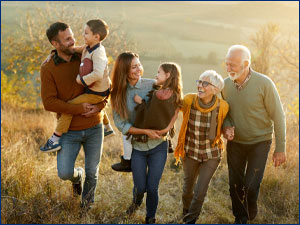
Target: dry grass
[(32, 192)]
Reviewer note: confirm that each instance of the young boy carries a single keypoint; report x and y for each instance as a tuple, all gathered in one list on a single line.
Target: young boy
[(93, 76)]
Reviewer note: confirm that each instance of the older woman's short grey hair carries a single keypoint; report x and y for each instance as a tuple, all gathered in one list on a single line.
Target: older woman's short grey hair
[(214, 78)]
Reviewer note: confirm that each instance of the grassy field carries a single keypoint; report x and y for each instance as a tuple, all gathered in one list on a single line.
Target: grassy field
[(31, 191)]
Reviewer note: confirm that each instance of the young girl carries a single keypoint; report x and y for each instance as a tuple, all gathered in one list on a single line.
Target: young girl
[(157, 112), (199, 141), (149, 158)]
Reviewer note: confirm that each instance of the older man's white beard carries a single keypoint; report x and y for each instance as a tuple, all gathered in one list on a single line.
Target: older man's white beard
[(236, 75)]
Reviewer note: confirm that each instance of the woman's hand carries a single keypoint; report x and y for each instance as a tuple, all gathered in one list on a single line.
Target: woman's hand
[(153, 134), (138, 99)]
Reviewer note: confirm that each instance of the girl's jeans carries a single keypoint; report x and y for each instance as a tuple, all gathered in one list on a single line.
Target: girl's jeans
[(147, 168)]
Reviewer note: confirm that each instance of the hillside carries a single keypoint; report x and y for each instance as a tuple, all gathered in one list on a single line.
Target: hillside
[(185, 32)]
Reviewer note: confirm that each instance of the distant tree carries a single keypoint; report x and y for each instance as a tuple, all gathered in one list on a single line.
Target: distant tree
[(263, 42), (277, 55), (288, 56)]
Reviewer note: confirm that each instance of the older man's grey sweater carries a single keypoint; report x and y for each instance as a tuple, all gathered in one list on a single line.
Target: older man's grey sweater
[(255, 111)]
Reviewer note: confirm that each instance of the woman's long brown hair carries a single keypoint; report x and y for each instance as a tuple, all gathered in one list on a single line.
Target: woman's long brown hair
[(119, 75), (174, 82)]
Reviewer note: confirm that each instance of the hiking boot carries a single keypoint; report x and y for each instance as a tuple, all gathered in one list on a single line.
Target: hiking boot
[(108, 131), (132, 208), (150, 220), (50, 146), (123, 166), (77, 186)]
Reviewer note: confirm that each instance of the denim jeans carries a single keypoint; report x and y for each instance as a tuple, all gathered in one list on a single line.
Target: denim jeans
[(91, 139), (246, 166), (147, 168)]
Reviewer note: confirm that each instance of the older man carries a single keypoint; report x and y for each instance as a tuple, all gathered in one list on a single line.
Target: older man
[(255, 110), (58, 85)]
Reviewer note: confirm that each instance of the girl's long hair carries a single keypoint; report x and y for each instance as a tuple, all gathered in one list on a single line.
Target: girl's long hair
[(174, 82), (119, 75)]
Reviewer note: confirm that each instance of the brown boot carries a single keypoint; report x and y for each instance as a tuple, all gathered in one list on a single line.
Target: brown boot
[(123, 166)]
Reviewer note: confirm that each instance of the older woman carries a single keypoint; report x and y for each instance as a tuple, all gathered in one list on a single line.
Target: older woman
[(199, 141)]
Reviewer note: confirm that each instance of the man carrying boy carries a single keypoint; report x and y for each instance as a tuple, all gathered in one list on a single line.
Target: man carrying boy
[(58, 85)]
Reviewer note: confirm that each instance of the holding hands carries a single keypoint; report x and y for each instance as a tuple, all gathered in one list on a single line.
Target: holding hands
[(228, 133)]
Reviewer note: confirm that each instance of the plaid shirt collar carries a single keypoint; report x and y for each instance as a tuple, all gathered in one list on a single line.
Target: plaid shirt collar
[(241, 86), (58, 60)]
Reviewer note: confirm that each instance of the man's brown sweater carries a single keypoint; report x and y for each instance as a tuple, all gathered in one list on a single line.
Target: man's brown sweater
[(58, 85)]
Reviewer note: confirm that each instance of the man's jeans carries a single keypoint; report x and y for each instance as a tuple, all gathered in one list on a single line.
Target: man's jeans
[(147, 168), (91, 139), (246, 166)]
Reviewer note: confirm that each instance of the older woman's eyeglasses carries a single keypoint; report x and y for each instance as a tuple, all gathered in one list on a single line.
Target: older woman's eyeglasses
[(204, 83)]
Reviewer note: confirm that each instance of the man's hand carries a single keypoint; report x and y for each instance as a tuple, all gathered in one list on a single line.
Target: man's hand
[(92, 110), (86, 107), (228, 133), (279, 158)]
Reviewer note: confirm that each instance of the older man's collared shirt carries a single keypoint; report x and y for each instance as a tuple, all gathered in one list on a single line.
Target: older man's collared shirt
[(142, 87), (241, 86)]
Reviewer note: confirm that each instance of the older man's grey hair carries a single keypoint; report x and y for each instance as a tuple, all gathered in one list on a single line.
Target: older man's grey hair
[(214, 78), (246, 55)]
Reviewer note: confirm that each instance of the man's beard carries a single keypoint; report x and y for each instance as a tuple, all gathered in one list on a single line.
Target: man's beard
[(236, 75), (67, 50)]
